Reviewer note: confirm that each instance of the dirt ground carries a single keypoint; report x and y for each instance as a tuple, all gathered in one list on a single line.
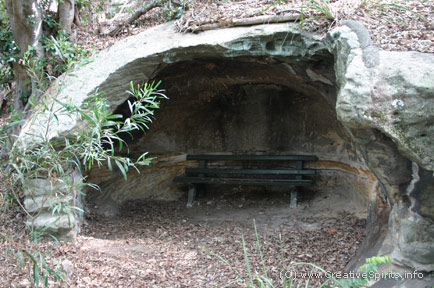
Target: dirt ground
[(165, 244)]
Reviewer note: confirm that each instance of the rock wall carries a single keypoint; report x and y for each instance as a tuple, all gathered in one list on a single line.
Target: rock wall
[(388, 107), (46, 201)]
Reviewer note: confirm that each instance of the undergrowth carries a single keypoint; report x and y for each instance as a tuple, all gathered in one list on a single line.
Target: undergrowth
[(95, 145)]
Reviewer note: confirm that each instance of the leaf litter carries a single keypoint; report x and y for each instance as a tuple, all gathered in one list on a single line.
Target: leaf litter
[(165, 244), (394, 25)]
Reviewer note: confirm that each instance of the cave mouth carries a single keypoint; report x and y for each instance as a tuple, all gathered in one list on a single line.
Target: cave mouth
[(248, 105)]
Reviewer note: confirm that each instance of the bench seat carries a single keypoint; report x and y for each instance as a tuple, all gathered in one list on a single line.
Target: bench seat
[(234, 172), (243, 181)]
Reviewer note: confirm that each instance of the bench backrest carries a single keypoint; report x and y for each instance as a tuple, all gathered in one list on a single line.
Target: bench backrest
[(204, 170), (253, 157), (193, 171)]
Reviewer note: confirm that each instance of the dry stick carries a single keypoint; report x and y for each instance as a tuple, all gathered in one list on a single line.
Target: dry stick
[(120, 12), (134, 17), (249, 21)]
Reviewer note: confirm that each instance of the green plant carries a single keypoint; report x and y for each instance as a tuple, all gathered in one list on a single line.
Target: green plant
[(288, 275), (98, 144), (49, 24), (95, 145), (321, 6), (81, 4), (84, 9), (36, 260), (46, 158), (6, 74), (26, 252), (100, 6), (50, 21), (252, 280), (62, 54), (8, 49), (382, 6), (28, 256), (369, 271), (129, 10), (173, 9)]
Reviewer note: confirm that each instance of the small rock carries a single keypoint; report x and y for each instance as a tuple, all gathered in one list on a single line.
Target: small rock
[(67, 267)]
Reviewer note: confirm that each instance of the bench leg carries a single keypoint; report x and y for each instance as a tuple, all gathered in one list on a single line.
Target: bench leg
[(200, 190), (294, 194), (191, 195)]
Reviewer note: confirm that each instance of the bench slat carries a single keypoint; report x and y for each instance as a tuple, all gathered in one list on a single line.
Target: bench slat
[(210, 180), (254, 157), (249, 171)]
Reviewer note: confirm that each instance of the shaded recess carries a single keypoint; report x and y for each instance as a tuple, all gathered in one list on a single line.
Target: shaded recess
[(247, 105)]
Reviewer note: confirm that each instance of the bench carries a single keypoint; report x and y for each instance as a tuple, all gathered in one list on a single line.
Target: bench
[(239, 172)]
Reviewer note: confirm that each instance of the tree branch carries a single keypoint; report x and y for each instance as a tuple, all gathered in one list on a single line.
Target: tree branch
[(135, 16), (265, 19)]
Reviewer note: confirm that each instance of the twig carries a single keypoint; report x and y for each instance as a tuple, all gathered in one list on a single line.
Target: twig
[(287, 10)]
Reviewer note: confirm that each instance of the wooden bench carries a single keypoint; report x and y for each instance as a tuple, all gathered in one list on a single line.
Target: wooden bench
[(239, 172)]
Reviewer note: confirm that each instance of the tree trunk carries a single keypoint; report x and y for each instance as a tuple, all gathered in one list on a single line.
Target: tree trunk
[(25, 17), (66, 15)]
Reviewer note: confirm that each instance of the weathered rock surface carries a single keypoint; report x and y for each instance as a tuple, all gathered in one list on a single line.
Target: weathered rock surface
[(395, 97), (138, 57), (368, 115), (50, 205), (413, 241)]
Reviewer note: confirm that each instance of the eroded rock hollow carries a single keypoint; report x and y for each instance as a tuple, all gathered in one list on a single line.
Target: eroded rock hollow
[(253, 105), (367, 114)]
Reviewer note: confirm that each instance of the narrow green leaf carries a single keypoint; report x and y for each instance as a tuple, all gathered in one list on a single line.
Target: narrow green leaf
[(88, 118), (109, 163), (45, 280), (20, 258), (246, 260), (36, 274), (121, 167)]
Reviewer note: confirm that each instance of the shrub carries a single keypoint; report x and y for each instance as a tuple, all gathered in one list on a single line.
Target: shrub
[(97, 144)]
